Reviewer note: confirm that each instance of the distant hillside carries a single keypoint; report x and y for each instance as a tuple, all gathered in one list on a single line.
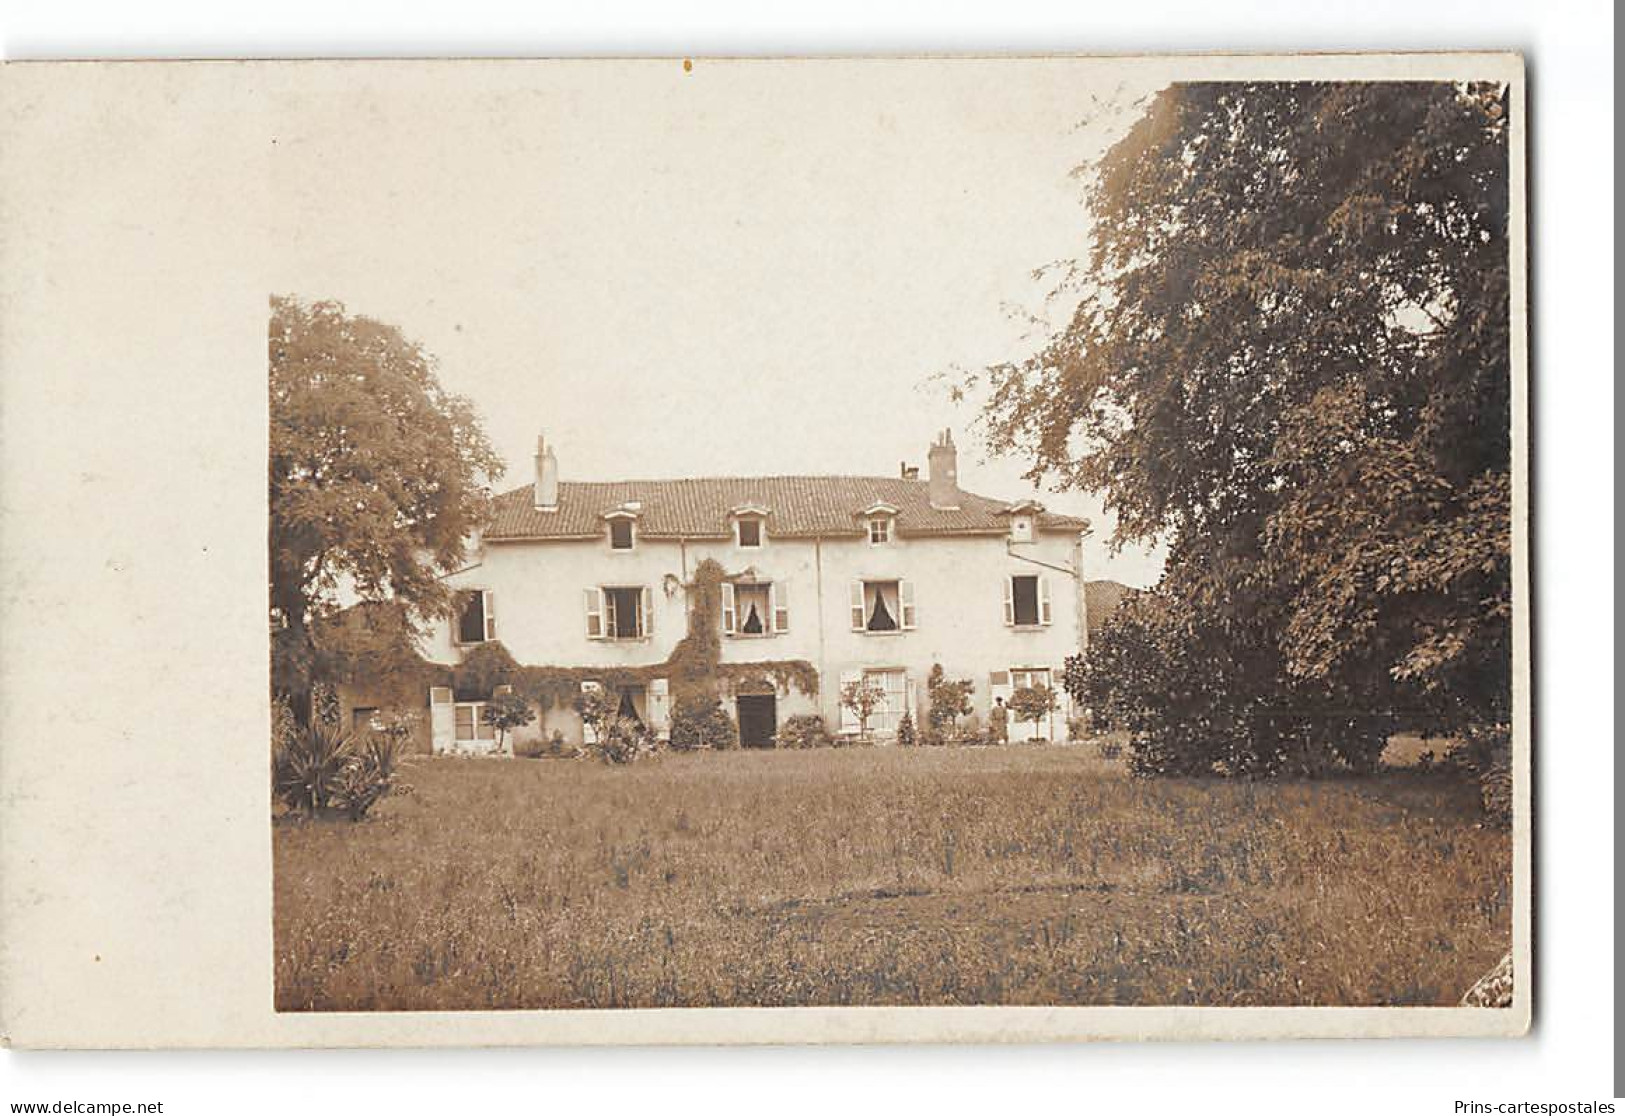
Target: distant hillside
[(1101, 599)]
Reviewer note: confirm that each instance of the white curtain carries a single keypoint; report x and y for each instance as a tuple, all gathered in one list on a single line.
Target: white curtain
[(881, 609)]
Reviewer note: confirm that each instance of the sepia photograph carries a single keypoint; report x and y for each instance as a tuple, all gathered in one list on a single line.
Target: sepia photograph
[(1011, 532)]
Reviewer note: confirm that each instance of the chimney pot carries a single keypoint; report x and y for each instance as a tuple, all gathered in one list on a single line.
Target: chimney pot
[(943, 479), (547, 476)]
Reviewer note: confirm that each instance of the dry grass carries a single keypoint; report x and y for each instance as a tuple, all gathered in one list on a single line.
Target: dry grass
[(886, 876)]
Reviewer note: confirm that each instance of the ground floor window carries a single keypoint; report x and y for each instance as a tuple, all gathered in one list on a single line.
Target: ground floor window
[(894, 684), (470, 722)]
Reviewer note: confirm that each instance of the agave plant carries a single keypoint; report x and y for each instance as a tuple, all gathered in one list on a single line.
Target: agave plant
[(368, 775), (307, 767)]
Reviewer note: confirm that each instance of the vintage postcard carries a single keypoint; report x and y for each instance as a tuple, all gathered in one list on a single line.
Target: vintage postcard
[(690, 550)]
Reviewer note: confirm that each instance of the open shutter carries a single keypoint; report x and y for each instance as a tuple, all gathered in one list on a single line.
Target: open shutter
[(905, 593), (490, 614), (646, 614), (589, 734), (1009, 602), (442, 719), (1043, 600), (778, 595), (998, 685), (730, 619), (595, 613), (849, 716), (612, 621), (660, 707), (857, 606)]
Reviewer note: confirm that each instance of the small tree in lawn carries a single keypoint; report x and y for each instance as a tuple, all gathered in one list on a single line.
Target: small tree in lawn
[(505, 712), (950, 700), (1032, 703), (863, 697)]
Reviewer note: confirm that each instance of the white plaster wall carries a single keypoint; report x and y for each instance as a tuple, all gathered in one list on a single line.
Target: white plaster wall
[(958, 585)]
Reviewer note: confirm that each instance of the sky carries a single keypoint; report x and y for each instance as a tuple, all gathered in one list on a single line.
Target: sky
[(742, 268)]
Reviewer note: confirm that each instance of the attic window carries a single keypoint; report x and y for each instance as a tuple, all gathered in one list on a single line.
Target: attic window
[(879, 529), (750, 532), (620, 534)]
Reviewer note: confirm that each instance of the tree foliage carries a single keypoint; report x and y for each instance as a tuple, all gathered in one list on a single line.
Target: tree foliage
[(377, 478), (1031, 704), (1294, 365)]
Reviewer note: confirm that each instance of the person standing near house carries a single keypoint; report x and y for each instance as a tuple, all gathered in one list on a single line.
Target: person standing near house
[(998, 719)]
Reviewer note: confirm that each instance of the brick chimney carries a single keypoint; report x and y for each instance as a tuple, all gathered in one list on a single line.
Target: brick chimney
[(547, 476), (943, 479)]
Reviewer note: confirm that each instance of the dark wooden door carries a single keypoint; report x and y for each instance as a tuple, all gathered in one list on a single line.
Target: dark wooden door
[(758, 720)]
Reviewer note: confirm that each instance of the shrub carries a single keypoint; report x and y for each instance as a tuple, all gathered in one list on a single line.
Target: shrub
[(368, 775), (1109, 747), (506, 712), (306, 768), (804, 730), (863, 696), (1032, 703), (950, 698), (702, 723), (624, 740), (905, 731), (324, 768)]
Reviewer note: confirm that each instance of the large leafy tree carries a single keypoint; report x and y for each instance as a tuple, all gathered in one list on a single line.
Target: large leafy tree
[(377, 478), (1294, 364)]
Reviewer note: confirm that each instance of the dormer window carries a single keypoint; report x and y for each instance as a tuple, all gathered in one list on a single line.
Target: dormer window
[(750, 525), (879, 523), (622, 527), (1023, 520)]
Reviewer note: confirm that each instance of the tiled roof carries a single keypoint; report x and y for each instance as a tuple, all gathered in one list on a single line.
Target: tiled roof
[(798, 507), (1100, 600)]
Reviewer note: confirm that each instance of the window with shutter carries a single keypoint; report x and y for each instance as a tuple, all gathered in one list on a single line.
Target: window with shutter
[(857, 606), (471, 626), (1024, 595), (659, 702), (780, 595), (730, 620), (490, 614), (1009, 601), (594, 599), (906, 593), (646, 613), (1043, 600), (442, 730), (625, 611)]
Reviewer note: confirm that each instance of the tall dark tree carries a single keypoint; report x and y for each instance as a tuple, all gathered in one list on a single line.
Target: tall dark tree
[(1295, 366), (377, 478)]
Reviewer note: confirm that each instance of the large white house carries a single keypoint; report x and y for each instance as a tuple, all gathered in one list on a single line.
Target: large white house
[(860, 577)]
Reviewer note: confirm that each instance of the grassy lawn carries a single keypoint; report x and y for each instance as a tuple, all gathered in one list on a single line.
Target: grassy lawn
[(1020, 875)]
